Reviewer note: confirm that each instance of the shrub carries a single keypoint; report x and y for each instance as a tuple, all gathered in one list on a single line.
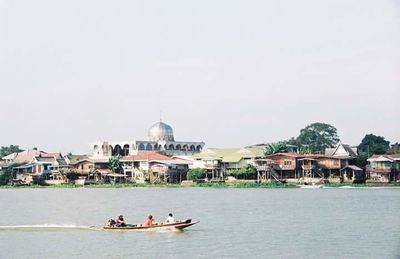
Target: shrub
[(245, 172), (196, 173)]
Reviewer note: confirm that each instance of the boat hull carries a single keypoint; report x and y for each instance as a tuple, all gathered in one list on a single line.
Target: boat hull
[(177, 226)]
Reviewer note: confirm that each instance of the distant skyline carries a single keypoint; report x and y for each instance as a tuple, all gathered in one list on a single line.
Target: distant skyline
[(229, 73)]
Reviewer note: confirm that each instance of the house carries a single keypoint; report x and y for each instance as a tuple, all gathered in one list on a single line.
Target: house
[(310, 167), (286, 165), (20, 158), (352, 173), (160, 168), (42, 167), (218, 160), (88, 170), (346, 153), (384, 168), (7, 160)]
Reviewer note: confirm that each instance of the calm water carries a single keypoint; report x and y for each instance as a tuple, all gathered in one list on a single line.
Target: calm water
[(235, 223)]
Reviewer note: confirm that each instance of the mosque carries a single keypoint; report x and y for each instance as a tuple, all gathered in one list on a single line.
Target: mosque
[(161, 138)]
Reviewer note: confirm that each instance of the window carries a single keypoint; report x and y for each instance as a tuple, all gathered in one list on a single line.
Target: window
[(336, 162), (287, 162)]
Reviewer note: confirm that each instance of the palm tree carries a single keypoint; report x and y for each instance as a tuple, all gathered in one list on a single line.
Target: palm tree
[(115, 164), (273, 148)]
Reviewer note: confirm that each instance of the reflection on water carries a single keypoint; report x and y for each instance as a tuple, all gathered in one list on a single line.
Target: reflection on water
[(235, 223)]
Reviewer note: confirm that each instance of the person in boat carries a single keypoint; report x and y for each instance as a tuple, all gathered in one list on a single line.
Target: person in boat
[(111, 223), (149, 221), (170, 219), (120, 222)]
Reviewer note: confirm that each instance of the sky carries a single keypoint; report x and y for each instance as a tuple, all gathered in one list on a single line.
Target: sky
[(229, 73)]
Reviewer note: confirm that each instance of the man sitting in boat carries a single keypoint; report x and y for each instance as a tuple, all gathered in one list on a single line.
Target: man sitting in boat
[(149, 221), (170, 219), (120, 222)]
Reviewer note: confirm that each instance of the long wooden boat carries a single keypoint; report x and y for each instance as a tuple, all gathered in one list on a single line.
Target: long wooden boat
[(178, 225)]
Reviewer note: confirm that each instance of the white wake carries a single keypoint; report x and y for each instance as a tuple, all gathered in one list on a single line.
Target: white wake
[(48, 227)]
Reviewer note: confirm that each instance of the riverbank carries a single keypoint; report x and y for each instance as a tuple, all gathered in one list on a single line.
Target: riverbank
[(201, 185)]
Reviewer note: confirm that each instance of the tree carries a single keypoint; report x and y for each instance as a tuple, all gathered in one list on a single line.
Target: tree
[(372, 144), (273, 148), (114, 164), (305, 150), (7, 150), (318, 136), (245, 172), (196, 173), (394, 149), (7, 174)]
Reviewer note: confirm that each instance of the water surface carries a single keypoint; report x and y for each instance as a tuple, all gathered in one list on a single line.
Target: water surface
[(234, 223)]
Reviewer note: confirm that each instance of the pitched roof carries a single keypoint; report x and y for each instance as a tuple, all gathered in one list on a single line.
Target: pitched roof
[(27, 156), (353, 167), (10, 156), (293, 155), (146, 156), (73, 159), (52, 154), (348, 150), (382, 158), (230, 155), (46, 159), (61, 161)]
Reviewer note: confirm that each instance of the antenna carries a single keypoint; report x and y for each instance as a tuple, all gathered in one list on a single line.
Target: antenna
[(160, 116)]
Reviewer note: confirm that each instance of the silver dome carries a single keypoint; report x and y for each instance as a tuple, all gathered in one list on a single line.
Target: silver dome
[(161, 131)]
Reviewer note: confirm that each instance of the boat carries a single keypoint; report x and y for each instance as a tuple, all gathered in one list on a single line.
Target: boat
[(177, 225)]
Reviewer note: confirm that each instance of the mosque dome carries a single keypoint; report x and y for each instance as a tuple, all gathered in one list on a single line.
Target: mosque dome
[(161, 131)]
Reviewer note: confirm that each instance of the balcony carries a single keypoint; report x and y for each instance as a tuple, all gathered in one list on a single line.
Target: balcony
[(380, 170), (211, 166), (308, 167), (263, 168)]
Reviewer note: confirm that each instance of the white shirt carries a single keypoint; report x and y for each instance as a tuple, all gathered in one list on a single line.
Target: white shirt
[(170, 220)]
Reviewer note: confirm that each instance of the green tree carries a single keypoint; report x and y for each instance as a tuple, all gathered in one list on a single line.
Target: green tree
[(196, 173), (115, 164), (7, 150), (292, 141), (245, 172), (305, 150), (372, 144), (273, 148), (318, 136), (394, 148), (362, 160), (7, 174)]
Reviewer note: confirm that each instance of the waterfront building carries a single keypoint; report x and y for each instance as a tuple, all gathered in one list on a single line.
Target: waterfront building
[(22, 157), (313, 168), (160, 168), (160, 139), (346, 153), (384, 168), (217, 160), (45, 166)]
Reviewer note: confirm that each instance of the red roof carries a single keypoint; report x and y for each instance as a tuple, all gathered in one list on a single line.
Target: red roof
[(146, 156)]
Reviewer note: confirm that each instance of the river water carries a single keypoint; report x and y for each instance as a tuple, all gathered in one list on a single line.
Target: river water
[(234, 223)]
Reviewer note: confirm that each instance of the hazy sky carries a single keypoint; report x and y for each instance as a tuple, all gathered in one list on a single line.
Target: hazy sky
[(230, 73)]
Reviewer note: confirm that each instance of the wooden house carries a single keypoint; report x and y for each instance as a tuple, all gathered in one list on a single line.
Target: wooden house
[(384, 168)]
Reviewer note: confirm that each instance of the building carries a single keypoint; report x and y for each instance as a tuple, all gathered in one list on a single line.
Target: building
[(346, 153), (159, 168), (384, 168), (218, 160), (160, 139), (51, 168), (313, 168)]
